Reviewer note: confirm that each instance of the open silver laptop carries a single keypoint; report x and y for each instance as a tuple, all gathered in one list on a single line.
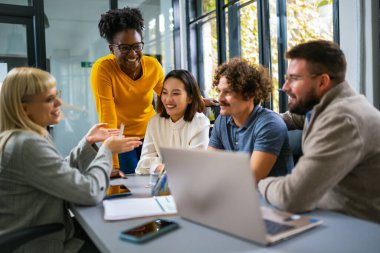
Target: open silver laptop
[(217, 189)]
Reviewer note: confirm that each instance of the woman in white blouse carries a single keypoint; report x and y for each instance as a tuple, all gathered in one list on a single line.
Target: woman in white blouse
[(179, 121)]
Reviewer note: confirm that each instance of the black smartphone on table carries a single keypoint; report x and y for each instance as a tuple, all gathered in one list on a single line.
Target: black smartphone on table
[(115, 191), (148, 231)]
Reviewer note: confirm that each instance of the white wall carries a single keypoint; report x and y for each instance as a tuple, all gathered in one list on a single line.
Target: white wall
[(359, 39)]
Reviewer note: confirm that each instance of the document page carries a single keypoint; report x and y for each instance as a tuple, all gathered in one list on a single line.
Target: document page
[(129, 208)]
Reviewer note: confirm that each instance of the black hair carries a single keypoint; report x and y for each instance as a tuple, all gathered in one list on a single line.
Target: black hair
[(192, 91), (117, 20), (322, 57)]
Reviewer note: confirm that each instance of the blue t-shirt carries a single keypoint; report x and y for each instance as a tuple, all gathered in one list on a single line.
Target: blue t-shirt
[(264, 131)]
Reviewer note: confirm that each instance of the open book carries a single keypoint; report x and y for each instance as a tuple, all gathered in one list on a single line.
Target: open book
[(129, 208)]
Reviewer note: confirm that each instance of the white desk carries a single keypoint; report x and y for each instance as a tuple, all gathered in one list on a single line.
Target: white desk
[(339, 233)]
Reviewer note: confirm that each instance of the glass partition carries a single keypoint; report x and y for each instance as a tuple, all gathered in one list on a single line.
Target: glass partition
[(17, 2), (73, 43), (158, 33), (13, 47)]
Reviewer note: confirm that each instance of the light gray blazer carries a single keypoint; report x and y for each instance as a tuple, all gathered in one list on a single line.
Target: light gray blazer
[(36, 184)]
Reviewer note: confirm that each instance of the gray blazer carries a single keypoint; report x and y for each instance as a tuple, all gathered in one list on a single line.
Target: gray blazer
[(36, 184)]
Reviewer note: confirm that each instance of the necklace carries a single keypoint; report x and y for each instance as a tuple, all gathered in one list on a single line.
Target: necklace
[(132, 74), (136, 72)]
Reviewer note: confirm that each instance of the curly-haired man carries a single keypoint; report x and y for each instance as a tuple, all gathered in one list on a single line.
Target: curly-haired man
[(244, 125)]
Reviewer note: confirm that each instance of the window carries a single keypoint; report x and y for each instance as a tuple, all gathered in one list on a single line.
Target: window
[(300, 21), (308, 20), (206, 61), (249, 30), (203, 38), (17, 2), (73, 43), (260, 31), (13, 42), (274, 67), (158, 32)]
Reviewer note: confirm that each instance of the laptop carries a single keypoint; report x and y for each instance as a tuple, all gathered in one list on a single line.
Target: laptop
[(217, 189)]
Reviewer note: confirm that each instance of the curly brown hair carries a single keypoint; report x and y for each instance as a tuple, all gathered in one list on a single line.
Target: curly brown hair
[(245, 79)]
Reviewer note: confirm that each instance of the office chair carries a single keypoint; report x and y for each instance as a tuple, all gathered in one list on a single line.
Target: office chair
[(11, 241), (295, 140), (215, 111)]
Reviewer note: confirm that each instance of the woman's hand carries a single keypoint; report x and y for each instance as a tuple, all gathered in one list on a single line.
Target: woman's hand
[(159, 169), (121, 144), (117, 173), (99, 133)]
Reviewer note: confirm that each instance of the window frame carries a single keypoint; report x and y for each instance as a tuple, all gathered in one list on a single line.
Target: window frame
[(195, 49), (33, 17)]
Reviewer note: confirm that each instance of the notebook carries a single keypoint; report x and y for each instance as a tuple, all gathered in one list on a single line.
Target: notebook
[(217, 189), (131, 208)]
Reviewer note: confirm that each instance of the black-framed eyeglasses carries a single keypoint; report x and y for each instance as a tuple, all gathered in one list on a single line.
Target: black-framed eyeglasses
[(125, 48), (50, 99), (295, 78)]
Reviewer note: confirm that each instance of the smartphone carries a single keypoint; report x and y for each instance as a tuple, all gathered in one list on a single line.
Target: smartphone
[(115, 191), (117, 174), (148, 230)]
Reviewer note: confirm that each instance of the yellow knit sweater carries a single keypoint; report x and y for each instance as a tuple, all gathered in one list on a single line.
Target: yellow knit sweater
[(119, 99)]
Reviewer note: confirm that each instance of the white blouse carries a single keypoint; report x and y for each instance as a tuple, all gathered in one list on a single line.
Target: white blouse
[(164, 132)]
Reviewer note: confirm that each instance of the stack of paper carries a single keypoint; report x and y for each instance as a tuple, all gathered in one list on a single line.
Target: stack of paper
[(129, 208)]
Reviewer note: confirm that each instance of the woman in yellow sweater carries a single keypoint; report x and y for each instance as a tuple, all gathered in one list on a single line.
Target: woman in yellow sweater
[(123, 81)]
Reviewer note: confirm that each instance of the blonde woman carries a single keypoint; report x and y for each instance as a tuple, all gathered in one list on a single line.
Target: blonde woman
[(35, 182)]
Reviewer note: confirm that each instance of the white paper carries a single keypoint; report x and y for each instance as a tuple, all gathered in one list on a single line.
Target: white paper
[(129, 208), (167, 203)]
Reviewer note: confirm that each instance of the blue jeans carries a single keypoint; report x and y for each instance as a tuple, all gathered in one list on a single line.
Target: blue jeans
[(128, 160)]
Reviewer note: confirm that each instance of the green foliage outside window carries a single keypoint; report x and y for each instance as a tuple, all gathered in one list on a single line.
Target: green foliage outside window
[(249, 33), (210, 55), (208, 5), (306, 20)]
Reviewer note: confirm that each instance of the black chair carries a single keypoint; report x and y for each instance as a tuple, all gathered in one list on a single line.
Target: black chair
[(11, 241), (216, 111), (295, 140)]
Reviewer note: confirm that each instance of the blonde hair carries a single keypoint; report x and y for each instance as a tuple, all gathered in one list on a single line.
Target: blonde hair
[(18, 84)]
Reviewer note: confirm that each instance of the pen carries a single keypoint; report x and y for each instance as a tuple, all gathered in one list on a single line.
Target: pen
[(159, 204), (121, 130)]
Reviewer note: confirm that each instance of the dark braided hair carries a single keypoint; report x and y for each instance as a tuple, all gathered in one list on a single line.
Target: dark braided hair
[(115, 21)]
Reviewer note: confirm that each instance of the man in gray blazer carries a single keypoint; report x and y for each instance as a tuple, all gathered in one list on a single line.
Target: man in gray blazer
[(340, 166)]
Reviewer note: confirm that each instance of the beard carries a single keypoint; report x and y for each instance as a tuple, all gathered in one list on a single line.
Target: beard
[(301, 107)]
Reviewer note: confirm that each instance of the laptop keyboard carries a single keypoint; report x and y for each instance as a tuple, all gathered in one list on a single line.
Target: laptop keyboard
[(275, 227)]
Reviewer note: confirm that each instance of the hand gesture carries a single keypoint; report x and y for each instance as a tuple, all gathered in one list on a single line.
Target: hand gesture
[(159, 169), (99, 133), (121, 144)]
